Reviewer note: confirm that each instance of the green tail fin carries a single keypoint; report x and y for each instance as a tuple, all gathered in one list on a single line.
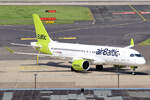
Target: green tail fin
[(41, 35)]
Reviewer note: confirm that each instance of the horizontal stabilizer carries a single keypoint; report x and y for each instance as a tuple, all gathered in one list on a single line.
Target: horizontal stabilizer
[(23, 53), (25, 45), (17, 44), (10, 50)]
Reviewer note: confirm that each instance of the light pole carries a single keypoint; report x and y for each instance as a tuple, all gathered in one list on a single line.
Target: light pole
[(118, 79), (118, 75), (35, 75)]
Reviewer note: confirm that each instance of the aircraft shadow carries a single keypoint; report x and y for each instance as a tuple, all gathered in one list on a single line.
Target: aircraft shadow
[(51, 64), (109, 69), (120, 71), (49, 71), (84, 72), (55, 64)]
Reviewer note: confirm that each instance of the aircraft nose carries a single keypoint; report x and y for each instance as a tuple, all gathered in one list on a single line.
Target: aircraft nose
[(143, 61)]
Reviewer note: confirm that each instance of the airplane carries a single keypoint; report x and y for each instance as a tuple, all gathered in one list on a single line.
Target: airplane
[(82, 56)]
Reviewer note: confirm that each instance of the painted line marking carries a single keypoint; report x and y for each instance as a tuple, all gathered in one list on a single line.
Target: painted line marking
[(73, 29), (28, 39), (124, 13), (91, 27), (143, 12), (35, 68), (142, 17), (30, 68), (67, 38), (117, 13)]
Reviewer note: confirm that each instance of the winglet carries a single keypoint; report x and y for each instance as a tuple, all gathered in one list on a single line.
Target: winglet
[(10, 50), (132, 42)]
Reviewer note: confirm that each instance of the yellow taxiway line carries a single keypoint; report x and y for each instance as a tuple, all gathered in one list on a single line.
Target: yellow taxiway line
[(67, 38), (134, 9), (30, 68), (34, 68), (28, 39)]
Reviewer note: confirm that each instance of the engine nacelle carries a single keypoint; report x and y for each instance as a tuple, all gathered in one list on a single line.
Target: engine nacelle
[(80, 65)]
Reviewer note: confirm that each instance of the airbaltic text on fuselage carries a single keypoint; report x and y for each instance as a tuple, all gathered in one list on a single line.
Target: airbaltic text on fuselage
[(108, 52)]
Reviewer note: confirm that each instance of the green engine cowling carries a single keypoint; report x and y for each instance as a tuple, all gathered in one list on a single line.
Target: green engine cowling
[(80, 65)]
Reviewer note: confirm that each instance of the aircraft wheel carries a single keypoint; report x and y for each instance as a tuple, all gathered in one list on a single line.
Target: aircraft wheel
[(99, 67), (133, 69), (133, 73)]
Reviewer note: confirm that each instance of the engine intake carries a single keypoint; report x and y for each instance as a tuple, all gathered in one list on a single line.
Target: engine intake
[(80, 65)]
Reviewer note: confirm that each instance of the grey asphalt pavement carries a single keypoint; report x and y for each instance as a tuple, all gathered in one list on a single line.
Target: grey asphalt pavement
[(110, 29)]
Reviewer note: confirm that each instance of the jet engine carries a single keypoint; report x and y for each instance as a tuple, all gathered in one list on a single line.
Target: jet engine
[(80, 65)]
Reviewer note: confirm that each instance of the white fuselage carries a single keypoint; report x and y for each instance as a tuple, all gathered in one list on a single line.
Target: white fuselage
[(98, 55)]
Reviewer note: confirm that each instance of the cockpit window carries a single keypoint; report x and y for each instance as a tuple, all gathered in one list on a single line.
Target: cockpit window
[(138, 55), (135, 55), (131, 55)]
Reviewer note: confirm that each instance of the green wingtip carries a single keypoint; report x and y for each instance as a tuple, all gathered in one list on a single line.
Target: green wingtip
[(132, 42), (10, 50)]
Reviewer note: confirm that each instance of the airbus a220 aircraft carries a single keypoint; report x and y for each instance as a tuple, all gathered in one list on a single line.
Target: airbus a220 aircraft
[(82, 56)]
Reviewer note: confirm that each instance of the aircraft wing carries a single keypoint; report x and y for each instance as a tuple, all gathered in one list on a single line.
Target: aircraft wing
[(88, 58), (91, 59), (17, 44), (36, 54)]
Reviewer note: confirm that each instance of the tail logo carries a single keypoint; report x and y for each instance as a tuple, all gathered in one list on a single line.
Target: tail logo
[(41, 36)]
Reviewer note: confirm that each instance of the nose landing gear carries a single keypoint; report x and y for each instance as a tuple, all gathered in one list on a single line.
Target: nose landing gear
[(133, 69)]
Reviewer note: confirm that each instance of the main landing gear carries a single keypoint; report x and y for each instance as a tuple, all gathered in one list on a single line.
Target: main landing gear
[(99, 67)]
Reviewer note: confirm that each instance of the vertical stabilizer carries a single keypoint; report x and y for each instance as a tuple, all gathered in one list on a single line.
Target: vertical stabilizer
[(41, 34)]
